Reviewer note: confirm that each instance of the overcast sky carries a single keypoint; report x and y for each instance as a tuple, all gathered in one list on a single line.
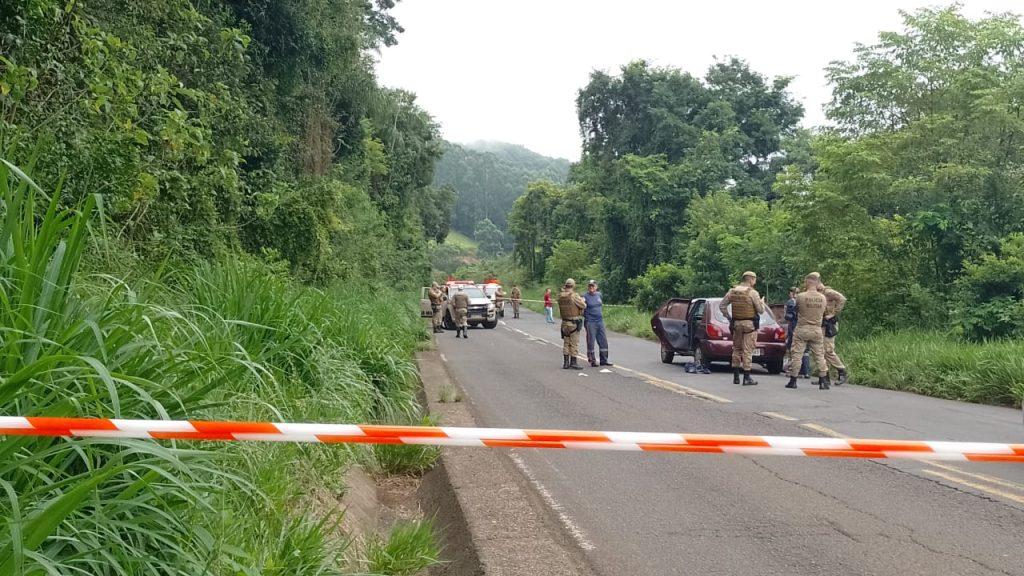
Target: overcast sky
[(510, 70)]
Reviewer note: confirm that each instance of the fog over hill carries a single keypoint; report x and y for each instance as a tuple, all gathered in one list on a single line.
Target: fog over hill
[(488, 176)]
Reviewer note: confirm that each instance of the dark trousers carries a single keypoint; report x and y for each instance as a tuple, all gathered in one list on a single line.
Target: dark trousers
[(596, 334)]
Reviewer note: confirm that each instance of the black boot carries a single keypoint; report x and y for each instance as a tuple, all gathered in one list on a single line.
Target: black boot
[(465, 333), (842, 377), (823, 383), (458, 332), (747, 380), (573, 364), (604, 360), (736, 376), (565, 361), (792, 382)]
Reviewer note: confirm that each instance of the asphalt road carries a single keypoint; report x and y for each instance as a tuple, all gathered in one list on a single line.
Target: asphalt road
[(662, 514)]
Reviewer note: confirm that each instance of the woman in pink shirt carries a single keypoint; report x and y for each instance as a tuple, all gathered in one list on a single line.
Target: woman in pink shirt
[(548, 307)]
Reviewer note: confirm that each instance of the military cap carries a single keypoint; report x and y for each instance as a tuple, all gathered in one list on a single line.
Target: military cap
[(592, 283), (749, 274), (813, 276), (570, 282)]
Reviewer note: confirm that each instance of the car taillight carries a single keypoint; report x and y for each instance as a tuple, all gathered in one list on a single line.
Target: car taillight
[(780, 335), (714, 332)]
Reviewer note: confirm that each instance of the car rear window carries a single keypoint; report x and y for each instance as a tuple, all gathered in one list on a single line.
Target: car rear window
[(767, 319)]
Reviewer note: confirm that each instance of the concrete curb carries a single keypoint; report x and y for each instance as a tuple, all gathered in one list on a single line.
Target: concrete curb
[(491, 524)]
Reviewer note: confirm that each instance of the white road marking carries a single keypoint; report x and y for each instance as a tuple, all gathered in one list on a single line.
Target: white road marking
[(575, 531), (444, 358), (585, 375), (606, 371)]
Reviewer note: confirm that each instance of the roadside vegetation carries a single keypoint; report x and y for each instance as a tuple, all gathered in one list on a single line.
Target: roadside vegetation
[(910, 205), (234, 340), (227, 216)]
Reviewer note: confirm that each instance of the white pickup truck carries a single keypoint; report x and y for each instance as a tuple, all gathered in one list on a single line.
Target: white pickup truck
[(481, 308)]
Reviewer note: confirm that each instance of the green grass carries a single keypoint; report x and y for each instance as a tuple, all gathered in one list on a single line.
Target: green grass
[(233, 340), (935, 364), (461, 241), (409, 548)]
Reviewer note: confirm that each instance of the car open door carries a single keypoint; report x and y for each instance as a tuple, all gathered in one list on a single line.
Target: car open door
[(671, 325)]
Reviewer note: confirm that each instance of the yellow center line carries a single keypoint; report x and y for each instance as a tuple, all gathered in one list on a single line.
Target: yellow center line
[(982, 477), (778, 416), (823, 430), (652, 380), (979, 487)]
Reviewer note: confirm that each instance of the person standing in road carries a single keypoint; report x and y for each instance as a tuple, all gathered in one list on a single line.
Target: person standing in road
[(570, 307), (791, 318), (436, 306), (810, 310), (499, 299), (744, 320), (549, 316), (593, 322), (836, 302), (517, 298), (460, 302)]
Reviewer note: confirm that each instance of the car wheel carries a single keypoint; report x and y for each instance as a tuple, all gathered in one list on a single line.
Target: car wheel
[(474, 324), (774, 367), (699, 357), (447, 322), (491, 325), (667, 355)]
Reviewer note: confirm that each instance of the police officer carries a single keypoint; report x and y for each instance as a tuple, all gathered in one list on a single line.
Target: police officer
[(810, 310), (790, 318), (517, 298), (499, 300), (460, 302), (835, 303), (570, 307), (593, 322), (747, 308), (436, 305)]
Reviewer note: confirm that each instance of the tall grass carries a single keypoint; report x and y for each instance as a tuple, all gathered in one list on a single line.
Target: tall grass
[(936, 364), (229, 340)]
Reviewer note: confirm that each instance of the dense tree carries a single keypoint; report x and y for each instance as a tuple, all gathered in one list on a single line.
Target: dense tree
[(209, 127), (909, 204), (490, 239), (656, 138)]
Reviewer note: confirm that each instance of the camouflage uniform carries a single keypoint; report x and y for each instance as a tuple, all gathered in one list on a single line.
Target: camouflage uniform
[(460, 303), (746, 307), (570, 307), (436, 306), (517, 296), (835, 303), (810, 309)]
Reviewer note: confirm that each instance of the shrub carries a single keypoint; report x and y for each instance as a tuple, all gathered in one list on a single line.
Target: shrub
[(991, 294), (659, 283), (570, 259)]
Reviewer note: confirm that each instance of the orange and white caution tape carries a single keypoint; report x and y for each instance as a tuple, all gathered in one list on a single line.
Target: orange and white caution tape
[(511, 438)]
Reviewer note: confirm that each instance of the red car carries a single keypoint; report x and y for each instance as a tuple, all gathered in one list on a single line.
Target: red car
[(695, 327)]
